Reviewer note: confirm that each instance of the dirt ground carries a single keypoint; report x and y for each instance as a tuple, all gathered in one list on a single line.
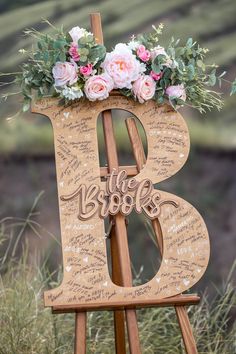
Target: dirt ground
[(208, 181)]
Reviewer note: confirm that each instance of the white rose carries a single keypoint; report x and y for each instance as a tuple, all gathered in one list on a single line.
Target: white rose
[(76, 33)]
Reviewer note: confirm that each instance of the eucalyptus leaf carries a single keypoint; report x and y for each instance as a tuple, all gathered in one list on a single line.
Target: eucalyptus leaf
[(97, 52)]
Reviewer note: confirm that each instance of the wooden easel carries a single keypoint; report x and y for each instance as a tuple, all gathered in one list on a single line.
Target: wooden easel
[(121, 270)]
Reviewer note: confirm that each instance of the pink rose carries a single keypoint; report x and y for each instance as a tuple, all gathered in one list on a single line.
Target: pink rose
[(73, 51), (143, 53), (65, 73), (156, 76), (86, 70), (122, 66), (144, 88), (97, 87), (176, 91)]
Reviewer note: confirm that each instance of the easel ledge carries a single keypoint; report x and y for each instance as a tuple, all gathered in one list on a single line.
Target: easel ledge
[(185, 299)]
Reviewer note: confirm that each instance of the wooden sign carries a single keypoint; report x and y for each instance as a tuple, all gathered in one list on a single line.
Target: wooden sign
[(85, 200)]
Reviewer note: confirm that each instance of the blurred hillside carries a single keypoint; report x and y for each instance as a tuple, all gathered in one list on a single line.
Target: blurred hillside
[(210, 22)]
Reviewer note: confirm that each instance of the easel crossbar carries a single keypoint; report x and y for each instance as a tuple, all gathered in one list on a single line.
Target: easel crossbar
[(135, 304)]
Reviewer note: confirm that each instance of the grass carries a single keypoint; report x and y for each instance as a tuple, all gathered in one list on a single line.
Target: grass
[(29, 328)]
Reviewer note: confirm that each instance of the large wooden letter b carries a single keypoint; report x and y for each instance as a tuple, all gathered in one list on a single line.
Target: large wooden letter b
[(84, 201)]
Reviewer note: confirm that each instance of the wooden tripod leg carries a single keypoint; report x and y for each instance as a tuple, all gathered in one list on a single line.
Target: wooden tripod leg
[(186, 330), (181, 312), (80, 333), (121, 236), (119, 318)]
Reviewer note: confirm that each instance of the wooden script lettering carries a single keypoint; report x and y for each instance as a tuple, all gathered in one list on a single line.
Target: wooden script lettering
[(121, 195), (84, 200)]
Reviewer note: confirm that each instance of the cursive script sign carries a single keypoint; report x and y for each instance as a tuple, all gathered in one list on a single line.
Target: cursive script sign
[(122, 195)]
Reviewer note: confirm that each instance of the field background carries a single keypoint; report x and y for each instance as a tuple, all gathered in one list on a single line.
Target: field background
[(208, 178)]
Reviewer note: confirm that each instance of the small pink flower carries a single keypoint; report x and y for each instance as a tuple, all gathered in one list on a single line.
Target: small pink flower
[(143, 53), (144, 88), (156, 76), (73, 51), (176, 91), (86, 70), (97, 87), (65, 73)]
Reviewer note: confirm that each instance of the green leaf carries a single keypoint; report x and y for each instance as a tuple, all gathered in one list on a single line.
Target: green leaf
[(59, 44), (156, 68), (189, 43), (62, 57), (83, 51), (83, 59), (160, 100), (190, 71), (40, 45), (199, 63), (233, 88), (180, 51), (82, 40), (97, 52), (156, 63), (212, 78), (90, 38), (26, 105)]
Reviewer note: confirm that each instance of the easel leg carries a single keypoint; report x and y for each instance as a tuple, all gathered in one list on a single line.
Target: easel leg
[(186, 330), (80, 333), (119, 318), (133, 334), (119, 332)]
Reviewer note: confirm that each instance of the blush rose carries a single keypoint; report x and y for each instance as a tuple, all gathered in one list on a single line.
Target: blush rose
[(122, 66), (176, 91), (65, 73), (144, 88), (97, 87)]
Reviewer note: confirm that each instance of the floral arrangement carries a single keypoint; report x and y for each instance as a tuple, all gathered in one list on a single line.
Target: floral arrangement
[(73, 66)]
